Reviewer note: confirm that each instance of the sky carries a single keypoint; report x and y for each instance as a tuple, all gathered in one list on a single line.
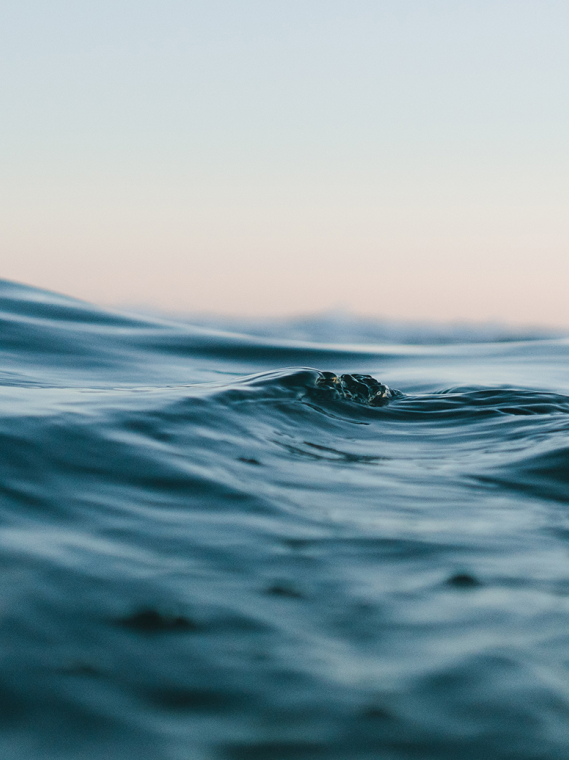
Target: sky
[(404, 159)]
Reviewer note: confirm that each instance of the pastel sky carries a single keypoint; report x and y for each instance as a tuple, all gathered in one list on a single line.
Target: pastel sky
[(398, 158)]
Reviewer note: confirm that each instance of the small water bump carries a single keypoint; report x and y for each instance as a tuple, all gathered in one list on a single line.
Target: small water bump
[(80, 669), (297, 543), (463, 580), (249, 460), (376, 712), (293, 750), (152, 621), (194, 700), (284, 590)]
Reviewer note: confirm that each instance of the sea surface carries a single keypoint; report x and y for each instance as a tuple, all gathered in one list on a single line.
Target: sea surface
[(217, 546)]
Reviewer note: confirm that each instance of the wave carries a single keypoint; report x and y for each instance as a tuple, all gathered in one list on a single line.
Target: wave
[(216, 545)]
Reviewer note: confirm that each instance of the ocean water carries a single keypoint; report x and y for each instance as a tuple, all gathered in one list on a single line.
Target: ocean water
[(226, 547)]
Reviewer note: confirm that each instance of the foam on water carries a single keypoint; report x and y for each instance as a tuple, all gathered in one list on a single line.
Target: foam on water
[(224, 546)]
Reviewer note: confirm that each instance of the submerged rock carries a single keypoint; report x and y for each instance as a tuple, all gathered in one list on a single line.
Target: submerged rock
[(363, 389)]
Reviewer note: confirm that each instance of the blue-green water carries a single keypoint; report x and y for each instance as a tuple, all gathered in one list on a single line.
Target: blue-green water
[(211, 551)]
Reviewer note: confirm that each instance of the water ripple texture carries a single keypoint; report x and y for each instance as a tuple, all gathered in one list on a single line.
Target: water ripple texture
[(218, 546)]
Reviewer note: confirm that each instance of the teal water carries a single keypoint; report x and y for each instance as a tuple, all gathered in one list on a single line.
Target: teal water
[(211, 549)]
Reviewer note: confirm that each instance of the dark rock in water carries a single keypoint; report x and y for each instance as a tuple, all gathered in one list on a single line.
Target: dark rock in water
[(363, 389)]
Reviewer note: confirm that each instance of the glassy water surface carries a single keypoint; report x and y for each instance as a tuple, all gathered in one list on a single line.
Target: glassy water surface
[(221, 547)]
